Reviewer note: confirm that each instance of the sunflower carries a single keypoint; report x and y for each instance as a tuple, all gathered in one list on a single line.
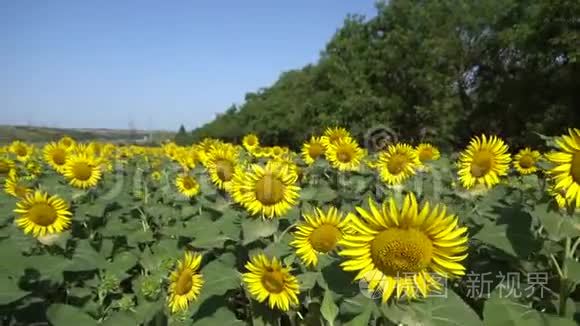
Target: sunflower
[(67, 142), (257, 152), (318, 234), (55, 155), (397, 163), (41, 214), (525, 161), (269, 191), (6, 167), (187, 185), (16, 187), (207, 144), (23, 151), (559, 197), (251, 142), (267, 152), (397, 249), (344, 154), (156, 176), (33, 169), (483, 162), (333, 135), (287, 166), (312, 150), (427, 152), (222, 164), (82, 171), (185, 282), (566, 172), (277, 152), (268, 280)]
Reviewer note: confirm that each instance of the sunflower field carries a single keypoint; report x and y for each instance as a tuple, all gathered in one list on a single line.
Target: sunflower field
[(332, 234)]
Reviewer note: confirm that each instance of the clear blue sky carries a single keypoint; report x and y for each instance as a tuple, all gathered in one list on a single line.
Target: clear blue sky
[(158, 63)]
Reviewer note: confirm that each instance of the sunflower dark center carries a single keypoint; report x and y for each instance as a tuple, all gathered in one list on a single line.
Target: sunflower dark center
[(426, 155), (398, 251), (325, 237), (526, 162), (184, 282), (42, 214), (334, 138), (20, 190), (397, 163), (575, 168), (82, 171), (4, 168), (59, 156), (21, 151), (251, 141), (269, 190), (188, 183), (344, 155), (315, 150), (224, 170), (273, 281), (481, 165)]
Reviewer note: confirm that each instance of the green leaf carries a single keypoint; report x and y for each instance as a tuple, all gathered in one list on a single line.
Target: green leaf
[(85, 258), (96, 209), (328, 309), (433, 311), (209, 234), (11, 251), (65, 315), (308, 193), (9, 291), (121, 318), (116, 228), (255, 228), (356, 306), (307, 280), (573, 270), (220, 276), (49, 267), (146, 310), (512, 233), (505, 312), (557, 225), (325, 194), (122, 262), (364, 318), (159, 210), (139, 236), (189, 211), (222, 317)]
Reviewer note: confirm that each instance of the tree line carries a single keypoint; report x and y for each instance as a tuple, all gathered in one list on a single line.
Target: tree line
[(431, 70)]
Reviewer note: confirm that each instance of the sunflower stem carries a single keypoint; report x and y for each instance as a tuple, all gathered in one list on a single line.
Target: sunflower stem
[(574, 247), (277, 239), (557, 266), (564, 289)]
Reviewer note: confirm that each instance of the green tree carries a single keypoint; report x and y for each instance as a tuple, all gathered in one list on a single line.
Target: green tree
[(433, 70), (182, 138)]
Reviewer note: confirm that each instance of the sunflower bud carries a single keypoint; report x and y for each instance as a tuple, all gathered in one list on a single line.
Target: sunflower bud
[(151, 287)]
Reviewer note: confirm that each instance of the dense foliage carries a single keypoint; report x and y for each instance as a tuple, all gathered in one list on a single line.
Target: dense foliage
[(435, 70)]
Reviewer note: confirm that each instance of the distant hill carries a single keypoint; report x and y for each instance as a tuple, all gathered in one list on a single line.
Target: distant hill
[(35, 134)]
